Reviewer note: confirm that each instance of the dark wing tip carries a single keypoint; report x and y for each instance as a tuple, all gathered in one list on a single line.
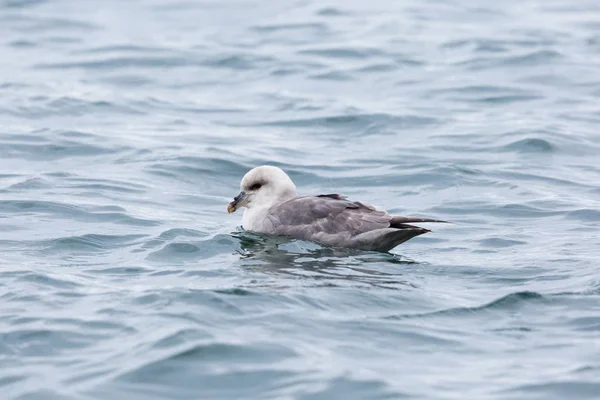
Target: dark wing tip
[(403, 220), (335, 196)]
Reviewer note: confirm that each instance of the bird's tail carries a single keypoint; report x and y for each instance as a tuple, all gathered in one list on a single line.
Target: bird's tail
[(387, 238), (403, 222)]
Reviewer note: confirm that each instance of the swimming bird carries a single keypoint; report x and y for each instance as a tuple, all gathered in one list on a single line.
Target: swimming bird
[(274, 208)]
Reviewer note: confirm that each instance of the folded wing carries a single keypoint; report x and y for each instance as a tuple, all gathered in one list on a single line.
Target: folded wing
[(333, 220)]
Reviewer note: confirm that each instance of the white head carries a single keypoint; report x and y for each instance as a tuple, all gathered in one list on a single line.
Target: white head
[(263, 186)]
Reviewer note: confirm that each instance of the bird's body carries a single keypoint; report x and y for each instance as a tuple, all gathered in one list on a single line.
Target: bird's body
[(274, 208)]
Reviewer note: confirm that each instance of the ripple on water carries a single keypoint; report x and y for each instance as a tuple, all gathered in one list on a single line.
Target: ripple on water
[(52, 151), (530, 58), (563, 388), (512, 301), (487, 95), (584, 215), (89, 243), (193, 251), (500, 242), (191, 167), (45, 145), (231, 61), (46, 280), (352, 53), (358, 124), (71, 211), (531, 145), (46, 342)]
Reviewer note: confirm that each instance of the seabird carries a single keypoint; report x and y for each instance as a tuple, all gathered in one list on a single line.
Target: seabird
[(274, 208)]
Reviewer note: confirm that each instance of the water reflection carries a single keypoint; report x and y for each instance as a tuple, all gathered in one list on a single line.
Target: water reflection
[(334, 266)]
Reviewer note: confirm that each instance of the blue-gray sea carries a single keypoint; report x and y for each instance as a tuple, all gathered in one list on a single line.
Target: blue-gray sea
[(126, 126)]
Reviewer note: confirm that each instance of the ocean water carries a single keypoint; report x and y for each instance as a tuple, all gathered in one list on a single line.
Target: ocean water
[(125, 127)]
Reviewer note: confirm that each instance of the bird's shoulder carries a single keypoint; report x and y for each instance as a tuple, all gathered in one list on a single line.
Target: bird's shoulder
[(311, 216), (306, 209)]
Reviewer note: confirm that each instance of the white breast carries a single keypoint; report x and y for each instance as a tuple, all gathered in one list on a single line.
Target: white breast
[(253, 219)]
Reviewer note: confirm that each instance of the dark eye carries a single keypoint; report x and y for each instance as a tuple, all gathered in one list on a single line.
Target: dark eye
[(256, 186)]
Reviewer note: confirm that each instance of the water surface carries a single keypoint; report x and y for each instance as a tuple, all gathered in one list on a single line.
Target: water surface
[(125, 127)]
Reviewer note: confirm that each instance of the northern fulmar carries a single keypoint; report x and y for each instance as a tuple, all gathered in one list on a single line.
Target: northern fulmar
[(274, 208)]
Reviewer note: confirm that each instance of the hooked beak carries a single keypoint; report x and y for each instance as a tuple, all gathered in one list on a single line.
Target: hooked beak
[(238, 201)]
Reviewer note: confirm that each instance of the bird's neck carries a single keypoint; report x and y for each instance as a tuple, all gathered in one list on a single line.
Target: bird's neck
[(254, 217)]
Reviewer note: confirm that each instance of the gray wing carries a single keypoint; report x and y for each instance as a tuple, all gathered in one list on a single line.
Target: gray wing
[(327, 214), (332, 219)]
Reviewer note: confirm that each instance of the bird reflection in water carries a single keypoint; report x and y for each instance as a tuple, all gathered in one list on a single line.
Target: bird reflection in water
[(331, 266)]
